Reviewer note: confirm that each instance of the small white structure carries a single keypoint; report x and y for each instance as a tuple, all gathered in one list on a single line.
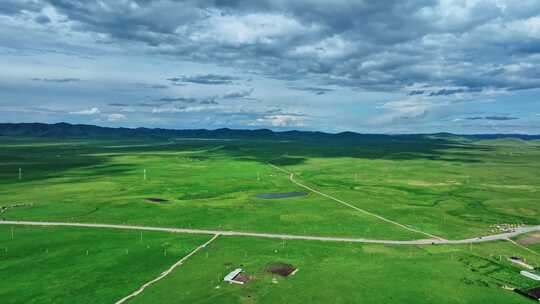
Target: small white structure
[(530, 275), (521, 263), (233, 274)]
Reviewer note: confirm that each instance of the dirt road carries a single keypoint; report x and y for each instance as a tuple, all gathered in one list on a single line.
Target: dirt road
[(165, 273)]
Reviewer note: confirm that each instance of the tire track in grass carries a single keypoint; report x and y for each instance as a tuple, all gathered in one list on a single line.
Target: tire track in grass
[(521, 246)]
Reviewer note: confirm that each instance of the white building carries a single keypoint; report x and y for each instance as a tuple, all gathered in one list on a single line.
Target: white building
[(233, 274), (530, 275), (520, 263)]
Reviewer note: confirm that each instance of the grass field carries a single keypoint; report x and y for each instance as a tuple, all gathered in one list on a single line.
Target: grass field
[(443, 194), (67, 265), (51, 266), (344, 273), (453, 188), (530, 240)]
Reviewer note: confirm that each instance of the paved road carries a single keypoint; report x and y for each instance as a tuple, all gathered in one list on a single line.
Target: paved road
[(291, 178), (495, 237)]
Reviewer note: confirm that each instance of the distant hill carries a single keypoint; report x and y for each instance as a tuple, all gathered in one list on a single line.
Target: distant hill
[(65, 130)]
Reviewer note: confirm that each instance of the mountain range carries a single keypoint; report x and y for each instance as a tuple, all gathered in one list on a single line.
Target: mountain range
[(72, 131)]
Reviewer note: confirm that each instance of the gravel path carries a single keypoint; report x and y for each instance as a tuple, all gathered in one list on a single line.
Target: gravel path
[(480, 239)]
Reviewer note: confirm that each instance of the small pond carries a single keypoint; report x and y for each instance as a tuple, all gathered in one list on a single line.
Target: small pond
[(280, 195), (157, 200)]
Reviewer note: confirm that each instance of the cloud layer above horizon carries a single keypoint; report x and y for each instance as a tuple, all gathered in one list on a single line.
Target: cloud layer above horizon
[(464, 66)]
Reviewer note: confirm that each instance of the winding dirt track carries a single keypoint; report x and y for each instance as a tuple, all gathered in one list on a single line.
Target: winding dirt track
[(480, 239)]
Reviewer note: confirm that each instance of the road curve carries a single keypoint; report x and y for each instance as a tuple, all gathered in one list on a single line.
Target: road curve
[(480, 239)]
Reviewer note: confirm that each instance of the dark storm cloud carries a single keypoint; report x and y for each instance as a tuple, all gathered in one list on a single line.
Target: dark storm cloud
[(42, 19), (447, 92), (314, 90), (151, 86), (10, 7), (146, 104), (188, 100), (58, 80), (500, 118), (177, 99), (211, 79), (416, 92), (130, 20), (208, 101), (118, 104)]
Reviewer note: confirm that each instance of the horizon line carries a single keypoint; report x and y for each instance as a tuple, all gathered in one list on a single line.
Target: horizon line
[(269, 129)]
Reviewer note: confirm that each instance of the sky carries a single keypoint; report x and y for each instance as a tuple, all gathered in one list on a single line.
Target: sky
[(393, 66)]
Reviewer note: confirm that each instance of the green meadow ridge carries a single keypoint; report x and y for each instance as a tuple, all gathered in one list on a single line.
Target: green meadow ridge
[(451, 186)]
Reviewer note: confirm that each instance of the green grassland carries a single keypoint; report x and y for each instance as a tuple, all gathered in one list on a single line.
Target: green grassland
[(530, 240), (450, 188), (206, 188), (345, 273), (76, 265), (455, 193), (50, 265)]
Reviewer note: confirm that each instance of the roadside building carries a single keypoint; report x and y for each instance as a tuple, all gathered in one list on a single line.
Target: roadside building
[(520, 262), (530, 275), (233, 275)]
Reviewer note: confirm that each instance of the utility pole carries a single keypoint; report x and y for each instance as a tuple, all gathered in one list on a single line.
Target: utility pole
[(20, 173), (12, 233)]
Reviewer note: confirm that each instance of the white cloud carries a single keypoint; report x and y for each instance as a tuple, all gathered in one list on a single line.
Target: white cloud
[(92, 111), (236, 30), (279, 120), (461, 54), (168, 110), (238, 94), (408, 108), (332, 47), (527, 27), (115, 117)]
